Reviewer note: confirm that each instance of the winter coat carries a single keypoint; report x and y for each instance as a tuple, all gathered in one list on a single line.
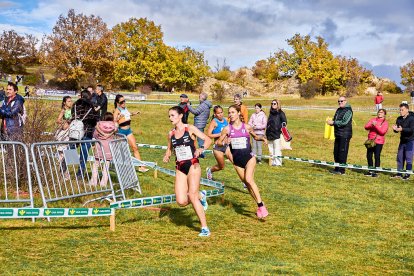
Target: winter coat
[(89, 123), (104, 133), (244, 112), (11, 112), (258, 121), (274, 124), (186, 111), (378, 131), (202, 113), (343, 122), (407, 124)]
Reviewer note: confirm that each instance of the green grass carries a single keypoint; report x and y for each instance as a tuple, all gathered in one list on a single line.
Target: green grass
[(318, 224)]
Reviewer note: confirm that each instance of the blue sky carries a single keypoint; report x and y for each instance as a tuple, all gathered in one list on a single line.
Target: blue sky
[(380, 34)]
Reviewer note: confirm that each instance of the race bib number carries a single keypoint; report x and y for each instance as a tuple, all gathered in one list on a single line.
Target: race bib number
[(183, 153), (238, 143)]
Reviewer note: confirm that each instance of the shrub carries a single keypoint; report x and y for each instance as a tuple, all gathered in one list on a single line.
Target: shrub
[(33, 80), (309, 89), (223, 75), (218, 92), (391, 87)]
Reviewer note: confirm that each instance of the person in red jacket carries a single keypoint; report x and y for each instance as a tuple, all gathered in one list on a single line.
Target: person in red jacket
[(377, 128), (378, 101)]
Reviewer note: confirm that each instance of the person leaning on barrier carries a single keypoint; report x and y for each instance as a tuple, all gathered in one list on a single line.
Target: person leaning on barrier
[(85, 110), (11, 112), (405, 126), (342, 123)]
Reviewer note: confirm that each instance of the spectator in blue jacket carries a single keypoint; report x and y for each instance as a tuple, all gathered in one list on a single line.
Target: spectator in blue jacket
[(12, 111), (201, 115)]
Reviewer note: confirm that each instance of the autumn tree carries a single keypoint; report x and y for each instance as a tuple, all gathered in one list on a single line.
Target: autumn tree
[(16, 51), (80, 49), (407, 75)]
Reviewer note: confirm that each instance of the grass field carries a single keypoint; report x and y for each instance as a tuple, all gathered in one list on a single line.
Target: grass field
[(318, 224)]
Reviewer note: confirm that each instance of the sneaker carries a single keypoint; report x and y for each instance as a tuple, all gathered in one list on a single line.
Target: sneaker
[(336, 172), (397, 176), (262, 212), (143, 169), (374, 174), (244, 186), (205, 232), (368, 173), (203, 199), (209, 174), (406, 177)]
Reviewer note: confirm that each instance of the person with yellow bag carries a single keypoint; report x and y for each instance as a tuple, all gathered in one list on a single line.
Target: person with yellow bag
[(342, 123), (329, 130)]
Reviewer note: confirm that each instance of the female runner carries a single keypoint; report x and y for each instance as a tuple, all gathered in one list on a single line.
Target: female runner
[(123, 118), (238, 135), (214, 130), (188, 172)]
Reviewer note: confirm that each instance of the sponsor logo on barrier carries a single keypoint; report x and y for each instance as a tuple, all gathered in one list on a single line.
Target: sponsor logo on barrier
[(6, 213), (157, 200), (28, 212), (126, 204), (136, 203), (101, 211), (78, 212), (147, 201), (54, 212), (167, 199)]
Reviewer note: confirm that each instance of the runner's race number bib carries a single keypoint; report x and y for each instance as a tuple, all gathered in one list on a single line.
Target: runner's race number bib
[(238, 143), (183, 153)]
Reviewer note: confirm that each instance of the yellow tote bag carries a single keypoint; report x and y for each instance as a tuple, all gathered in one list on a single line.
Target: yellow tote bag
[(329, 130)]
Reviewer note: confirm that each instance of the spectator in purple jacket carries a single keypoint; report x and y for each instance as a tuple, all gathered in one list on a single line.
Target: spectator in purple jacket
[(258, 122)]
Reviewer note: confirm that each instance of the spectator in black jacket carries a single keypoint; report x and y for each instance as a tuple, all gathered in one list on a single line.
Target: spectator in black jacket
[(183, 105), (342, 122), (405, 126), (273, 131), (85, 110), (100, 101)]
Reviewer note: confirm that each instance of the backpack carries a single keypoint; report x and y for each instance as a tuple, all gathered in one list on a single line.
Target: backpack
[(76, 127)]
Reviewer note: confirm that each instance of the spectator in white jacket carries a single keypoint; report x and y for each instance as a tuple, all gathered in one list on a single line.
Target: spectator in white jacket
[(258, 121)]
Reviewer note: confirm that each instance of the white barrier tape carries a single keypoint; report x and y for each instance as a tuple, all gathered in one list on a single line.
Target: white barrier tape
[(310, 161), (54, 212)]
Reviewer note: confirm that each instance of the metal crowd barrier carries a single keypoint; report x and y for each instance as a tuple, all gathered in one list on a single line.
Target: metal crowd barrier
[(124, 167), (66, 170), (16, 188)]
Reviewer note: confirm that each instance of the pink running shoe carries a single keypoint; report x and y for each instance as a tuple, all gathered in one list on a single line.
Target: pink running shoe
[(262, 212)]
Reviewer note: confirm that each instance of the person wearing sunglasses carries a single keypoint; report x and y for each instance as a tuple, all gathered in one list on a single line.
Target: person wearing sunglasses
[(273, 131), (342, 123), (123, 118)]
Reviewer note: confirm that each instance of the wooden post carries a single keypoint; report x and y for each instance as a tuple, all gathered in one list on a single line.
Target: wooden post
[(156, 171), (112, 222)]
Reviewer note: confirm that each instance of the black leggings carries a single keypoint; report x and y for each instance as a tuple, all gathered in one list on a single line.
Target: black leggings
[(376, 151)]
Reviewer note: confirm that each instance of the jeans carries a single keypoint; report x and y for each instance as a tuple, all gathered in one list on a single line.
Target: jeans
[(341, 148), (376, 151), (84, 154), (199, 140), (257, 148), (405, 155)]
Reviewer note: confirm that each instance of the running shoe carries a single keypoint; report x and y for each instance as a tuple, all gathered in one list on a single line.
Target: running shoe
[(368, 173), (398, 175), (203, 199), (143, 169), (262, 212), (374, 174), (205, 232), (406, 177), (209, 173)]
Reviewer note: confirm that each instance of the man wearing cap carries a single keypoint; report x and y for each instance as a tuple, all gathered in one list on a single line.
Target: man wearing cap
[(183, 105)]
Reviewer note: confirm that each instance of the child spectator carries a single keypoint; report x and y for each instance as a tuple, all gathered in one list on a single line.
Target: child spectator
[(104, 133)]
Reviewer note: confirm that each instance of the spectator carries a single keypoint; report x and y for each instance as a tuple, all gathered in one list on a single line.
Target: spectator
[(27, 91), (9, 78), (100, 101), (273, 131), (84, 109), (201, 115), (377, 128), (183, 105), (258, 122), (412, 96), (66, 112), (342, 122), (11, 112), (2, 94), (405, 126), (243, 108), (378, 101)]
